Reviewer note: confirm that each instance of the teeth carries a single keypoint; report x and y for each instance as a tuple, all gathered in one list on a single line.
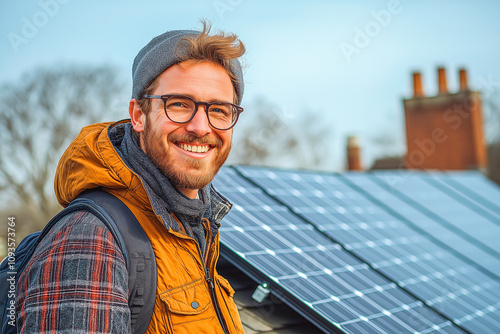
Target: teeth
[(196, 149)]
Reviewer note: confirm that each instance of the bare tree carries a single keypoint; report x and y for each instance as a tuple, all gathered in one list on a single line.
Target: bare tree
[(273, 137), (39, 115), (386, 143)]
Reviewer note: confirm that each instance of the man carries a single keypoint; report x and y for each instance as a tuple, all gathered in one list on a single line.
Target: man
[(187, 87)]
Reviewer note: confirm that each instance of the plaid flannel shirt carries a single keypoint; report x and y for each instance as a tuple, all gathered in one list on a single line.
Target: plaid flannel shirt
[(76, 282)]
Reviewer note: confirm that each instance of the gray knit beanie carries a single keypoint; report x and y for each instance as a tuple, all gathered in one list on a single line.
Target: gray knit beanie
[(160, 54)]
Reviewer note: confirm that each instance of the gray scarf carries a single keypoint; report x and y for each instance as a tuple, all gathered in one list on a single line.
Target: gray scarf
[(164, 197)]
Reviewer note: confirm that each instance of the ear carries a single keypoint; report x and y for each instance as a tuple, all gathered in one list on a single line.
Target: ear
[(137, 116)]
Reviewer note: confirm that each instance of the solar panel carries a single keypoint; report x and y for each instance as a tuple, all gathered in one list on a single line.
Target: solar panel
[(482, 230), (434, 274), (425, 224), (319, 278), (474, 186)]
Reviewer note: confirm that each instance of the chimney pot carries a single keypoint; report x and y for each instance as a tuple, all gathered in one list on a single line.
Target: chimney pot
[(417, 85), (462, 73), (443, 89)]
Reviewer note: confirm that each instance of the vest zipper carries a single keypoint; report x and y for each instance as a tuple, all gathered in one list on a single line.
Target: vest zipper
[(210, 281), (208, 278)]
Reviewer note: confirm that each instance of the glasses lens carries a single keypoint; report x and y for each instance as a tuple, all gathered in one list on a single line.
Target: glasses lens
[(222, 115), (179, 108)]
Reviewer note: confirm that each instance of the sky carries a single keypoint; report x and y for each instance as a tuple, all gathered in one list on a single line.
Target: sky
[(347, 62)]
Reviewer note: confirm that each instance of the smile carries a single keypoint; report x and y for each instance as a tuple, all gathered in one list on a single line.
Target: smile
[(194, 148)]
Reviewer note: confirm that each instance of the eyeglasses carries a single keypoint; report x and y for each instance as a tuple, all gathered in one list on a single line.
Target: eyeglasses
[(181, 109)]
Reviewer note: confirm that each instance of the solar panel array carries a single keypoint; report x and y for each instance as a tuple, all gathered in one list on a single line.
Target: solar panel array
[(367, 253)]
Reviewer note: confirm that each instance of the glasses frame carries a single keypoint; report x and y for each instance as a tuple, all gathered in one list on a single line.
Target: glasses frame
[(207, 105)]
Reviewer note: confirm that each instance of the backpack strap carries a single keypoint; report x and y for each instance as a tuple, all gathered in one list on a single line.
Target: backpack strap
[(136, 249)]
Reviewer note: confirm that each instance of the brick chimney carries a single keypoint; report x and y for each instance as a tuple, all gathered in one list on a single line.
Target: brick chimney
[(353, 154), (444, 131)]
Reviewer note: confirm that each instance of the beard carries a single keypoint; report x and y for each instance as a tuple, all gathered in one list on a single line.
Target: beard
[(184, 172)]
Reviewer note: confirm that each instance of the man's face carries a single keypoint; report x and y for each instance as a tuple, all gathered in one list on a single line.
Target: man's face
[(189, 154)]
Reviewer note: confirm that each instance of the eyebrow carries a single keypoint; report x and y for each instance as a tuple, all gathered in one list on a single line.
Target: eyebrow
[(191, 96)]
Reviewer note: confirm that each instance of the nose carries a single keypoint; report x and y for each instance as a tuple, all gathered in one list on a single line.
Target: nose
[(199, 125)]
